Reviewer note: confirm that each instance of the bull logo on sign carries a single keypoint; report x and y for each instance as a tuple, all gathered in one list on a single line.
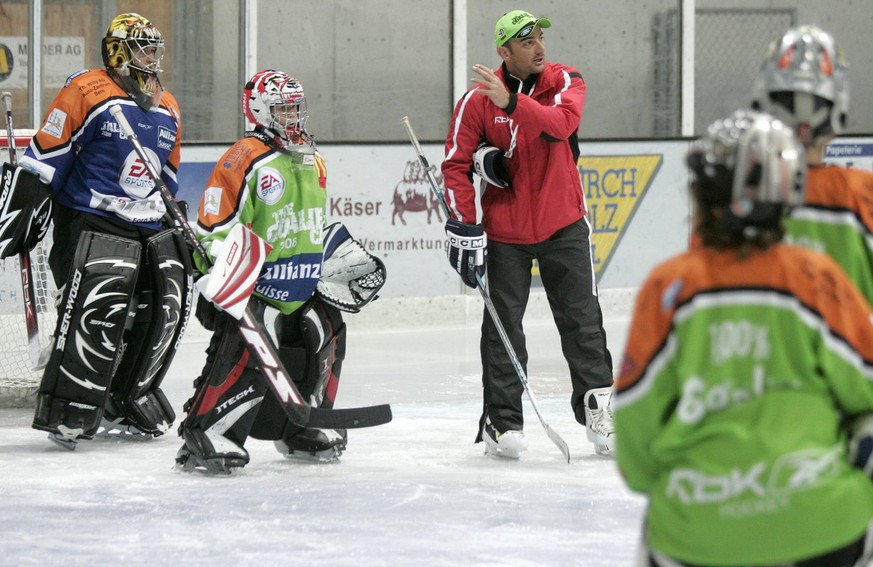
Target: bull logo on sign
[(413, 193)]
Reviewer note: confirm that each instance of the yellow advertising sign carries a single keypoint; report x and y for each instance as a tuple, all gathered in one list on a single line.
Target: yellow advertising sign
[(614, 187)]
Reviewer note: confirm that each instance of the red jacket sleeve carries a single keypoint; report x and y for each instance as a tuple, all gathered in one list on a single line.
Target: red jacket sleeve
[(559, 120), (465, 132)]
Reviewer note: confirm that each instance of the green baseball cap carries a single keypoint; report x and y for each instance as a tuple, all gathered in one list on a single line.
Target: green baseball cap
[(517, 24)]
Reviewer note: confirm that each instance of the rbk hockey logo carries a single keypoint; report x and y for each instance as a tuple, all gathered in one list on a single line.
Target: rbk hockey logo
[(413, 193)]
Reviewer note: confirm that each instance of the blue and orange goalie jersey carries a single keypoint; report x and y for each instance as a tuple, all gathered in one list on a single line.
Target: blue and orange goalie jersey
[(82, 154)]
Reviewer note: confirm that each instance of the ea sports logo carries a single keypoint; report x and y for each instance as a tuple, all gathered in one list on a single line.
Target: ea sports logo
[(271, 185), (135, 178)]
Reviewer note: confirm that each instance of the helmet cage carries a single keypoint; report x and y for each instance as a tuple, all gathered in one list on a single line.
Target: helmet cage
[(144, 54)]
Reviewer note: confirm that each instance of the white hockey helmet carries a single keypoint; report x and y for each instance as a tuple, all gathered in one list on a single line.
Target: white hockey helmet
[(275, 101), (804, 82), (753, 165)]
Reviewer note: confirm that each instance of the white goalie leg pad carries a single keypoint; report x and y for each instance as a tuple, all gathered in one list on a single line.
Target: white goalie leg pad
[(232, 279), (350, 276)]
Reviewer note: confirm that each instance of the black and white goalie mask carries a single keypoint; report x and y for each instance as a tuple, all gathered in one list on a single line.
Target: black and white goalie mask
[(350, 276)]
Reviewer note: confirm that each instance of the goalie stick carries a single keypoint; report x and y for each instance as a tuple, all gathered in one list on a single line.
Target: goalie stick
[(24, 266), (253, 331), (489, 305)]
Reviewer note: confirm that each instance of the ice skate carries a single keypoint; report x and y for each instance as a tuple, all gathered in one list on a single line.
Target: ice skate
[(508, 445), (599, 423), (121, 428), (317, 445), (66, 437), (222, 465), (210, 453)]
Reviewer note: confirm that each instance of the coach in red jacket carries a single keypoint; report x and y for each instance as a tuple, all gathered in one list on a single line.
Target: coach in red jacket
[(517, 129)]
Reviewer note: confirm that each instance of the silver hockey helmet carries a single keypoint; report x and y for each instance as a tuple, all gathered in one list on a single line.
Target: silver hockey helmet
[(752, 164), (275, 101), (804, 82)]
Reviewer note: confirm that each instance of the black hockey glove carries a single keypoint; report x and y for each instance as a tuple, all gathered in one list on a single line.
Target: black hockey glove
[(183, 206), (490, 164), (467, 250)]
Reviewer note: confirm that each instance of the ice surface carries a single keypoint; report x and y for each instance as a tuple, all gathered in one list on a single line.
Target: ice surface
[(416, 491)]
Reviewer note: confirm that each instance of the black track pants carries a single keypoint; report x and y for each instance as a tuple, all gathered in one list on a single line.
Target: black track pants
[(568, 278)]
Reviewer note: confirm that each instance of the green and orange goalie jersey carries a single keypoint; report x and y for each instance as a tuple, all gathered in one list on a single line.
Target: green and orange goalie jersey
[(281, 197)]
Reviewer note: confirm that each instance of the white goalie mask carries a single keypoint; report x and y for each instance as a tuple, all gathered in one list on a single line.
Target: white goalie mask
[(275, 101)]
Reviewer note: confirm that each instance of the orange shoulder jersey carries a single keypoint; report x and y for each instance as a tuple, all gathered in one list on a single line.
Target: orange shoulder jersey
[(837, 219), (281, 197), (90, 165), (728, 402)]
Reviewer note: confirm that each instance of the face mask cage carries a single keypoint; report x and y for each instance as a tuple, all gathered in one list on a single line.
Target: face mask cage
[(289, 117), (145, 54)]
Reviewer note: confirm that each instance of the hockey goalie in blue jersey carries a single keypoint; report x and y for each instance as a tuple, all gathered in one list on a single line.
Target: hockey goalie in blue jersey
[(124, 277)]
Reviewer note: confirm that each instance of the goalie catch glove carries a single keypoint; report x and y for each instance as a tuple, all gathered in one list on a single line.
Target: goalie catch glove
[(490, 164), (25, 210), (467, 250), (230, 282), (350, 276)]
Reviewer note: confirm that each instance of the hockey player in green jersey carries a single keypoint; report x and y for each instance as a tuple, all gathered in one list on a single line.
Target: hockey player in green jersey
[(262, 222), (744, 357), (804, 82)]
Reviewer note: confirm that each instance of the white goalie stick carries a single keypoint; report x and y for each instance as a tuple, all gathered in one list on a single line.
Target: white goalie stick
[(253, 331), (556, 439), (24, 265)]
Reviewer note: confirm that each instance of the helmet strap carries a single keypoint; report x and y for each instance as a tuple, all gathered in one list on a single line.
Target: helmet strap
[(265, 136)]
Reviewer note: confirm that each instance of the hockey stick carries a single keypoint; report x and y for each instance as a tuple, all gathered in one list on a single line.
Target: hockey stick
[(495, 318), (253, 331), (25, 269)]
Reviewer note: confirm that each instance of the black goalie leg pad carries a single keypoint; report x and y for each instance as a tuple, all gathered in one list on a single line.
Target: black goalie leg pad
[(163, 306), (312, 348), (226, 400), (85, 354)]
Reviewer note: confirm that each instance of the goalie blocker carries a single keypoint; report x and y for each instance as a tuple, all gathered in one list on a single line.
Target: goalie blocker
[(25, 210), (117, 332)]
